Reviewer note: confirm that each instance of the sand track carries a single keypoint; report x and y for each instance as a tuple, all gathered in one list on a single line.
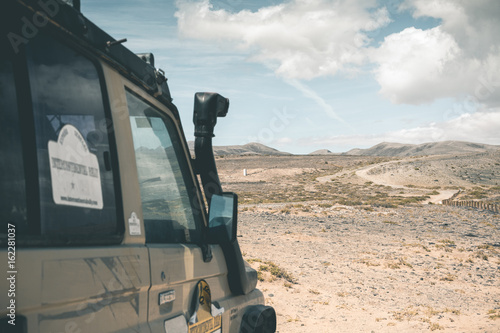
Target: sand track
[(365, 174)]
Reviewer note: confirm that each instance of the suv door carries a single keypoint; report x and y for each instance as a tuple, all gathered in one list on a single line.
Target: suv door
[(173, 220)]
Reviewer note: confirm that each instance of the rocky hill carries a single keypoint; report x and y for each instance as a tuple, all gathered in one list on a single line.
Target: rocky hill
[(424, 149), (321, 152), (388, 149), (252, 148)]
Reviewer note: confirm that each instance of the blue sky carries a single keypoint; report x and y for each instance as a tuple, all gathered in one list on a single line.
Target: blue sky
[(304, 75)]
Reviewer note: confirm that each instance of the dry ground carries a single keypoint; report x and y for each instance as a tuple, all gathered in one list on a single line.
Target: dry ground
[(350, 244)]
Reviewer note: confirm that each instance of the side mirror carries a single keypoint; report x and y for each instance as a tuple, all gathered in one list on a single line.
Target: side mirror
[(222, 218)]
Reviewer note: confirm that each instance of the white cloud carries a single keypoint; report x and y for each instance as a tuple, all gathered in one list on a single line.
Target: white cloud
[(299, 39), (459, 58), (306, 39), (473, 24), (417, 66), (478, 127)]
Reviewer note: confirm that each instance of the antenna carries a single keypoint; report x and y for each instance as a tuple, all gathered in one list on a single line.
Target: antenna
[(116, 42)]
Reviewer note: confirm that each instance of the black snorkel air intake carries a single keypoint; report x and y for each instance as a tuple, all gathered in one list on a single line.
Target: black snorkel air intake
[(242, 279), (207, 107)]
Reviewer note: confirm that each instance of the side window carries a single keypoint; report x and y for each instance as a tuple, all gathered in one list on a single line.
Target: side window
[(166, 185), (75, 177)]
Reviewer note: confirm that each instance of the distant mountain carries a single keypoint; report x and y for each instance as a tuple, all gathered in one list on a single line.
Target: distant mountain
[(252, 148), (321, 152), (431, 148)]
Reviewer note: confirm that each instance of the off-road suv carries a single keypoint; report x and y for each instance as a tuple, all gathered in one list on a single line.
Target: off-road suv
[(104, 222)]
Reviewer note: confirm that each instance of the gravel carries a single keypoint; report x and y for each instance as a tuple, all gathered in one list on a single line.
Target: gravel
[(419, 268)]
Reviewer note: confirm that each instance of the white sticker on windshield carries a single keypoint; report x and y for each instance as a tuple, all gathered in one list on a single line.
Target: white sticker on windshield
[(74, 170)]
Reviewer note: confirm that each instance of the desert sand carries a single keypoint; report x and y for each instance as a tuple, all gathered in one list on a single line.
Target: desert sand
[(331, 267)]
